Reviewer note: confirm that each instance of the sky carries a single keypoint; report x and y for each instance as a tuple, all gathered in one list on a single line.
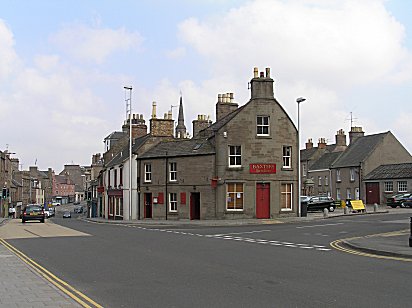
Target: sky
[(64, 65)]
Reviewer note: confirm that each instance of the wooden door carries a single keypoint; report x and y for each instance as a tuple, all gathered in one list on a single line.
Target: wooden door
[(263, 200), (194, 205), (372, 193), (148, 205)]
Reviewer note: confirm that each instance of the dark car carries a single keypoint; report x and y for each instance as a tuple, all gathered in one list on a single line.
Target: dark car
[(397, 200), (67, 215), (33, 212), (407, 202), (317, 203), (78, 209)]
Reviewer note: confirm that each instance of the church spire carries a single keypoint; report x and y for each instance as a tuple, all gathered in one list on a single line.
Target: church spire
[(181, 128)]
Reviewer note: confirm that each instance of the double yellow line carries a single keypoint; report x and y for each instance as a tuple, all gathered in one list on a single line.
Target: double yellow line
[(76, 295), (339, 245)]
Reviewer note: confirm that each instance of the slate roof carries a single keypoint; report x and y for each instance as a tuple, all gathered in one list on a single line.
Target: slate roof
[(123, 155), (115, 135), (393, 171), (359, 150), (306, 154), (325, 161), (222, 122), (174, 148)]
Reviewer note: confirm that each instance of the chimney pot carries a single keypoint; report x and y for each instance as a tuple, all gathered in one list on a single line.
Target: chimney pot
[(262, 75), (255, 72), (268, 72)]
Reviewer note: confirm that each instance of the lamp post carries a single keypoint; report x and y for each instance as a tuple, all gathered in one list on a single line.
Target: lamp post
[(299, 100), (129, 109)]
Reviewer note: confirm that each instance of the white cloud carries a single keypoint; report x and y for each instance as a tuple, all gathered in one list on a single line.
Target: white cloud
[(95, 44), (176, 53), (8, 57), (317, 49)]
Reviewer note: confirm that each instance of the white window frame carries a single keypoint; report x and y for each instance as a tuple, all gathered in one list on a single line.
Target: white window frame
[(173, 202), (388, 186), (173, 172), (338, 195), (287, 207), (338, 178), (357, 193), (326, 180), (235, 155), (287, 156), (319, 181), (348, 193), (234, 194), (263, 124), (402, 186), (303, 169), (148, 173), (352, 174)]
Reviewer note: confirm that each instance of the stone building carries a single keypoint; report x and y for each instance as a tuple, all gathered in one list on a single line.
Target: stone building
[(242, 166)]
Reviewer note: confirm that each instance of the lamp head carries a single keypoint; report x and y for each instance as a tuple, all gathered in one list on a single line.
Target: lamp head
[(128, 88), (300, 100)]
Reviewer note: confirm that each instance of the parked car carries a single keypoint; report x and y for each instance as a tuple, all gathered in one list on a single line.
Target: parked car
[(407, 202), (317, 203), (33, 212), (397, 200), (51, 211), (78, 209), (67, 215)]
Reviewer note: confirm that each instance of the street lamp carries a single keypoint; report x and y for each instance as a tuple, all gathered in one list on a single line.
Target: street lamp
[(299, 100), (129, 109)]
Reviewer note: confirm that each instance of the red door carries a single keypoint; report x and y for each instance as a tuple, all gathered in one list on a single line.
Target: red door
[(372, 193), (195, 205), (262, 200)]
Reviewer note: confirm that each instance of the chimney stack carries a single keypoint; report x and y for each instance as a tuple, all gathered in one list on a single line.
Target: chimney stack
[(340, 138), (262, 86), (225, 105), (355, 133), (201, 123), (309, 144), (322, 143)]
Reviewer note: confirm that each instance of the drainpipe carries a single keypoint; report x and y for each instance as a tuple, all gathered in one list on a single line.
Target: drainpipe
[(138, 180), (166, 197)]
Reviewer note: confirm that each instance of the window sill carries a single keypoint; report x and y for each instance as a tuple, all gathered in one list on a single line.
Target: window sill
[(287, 169), (234, 211), (234, 168), (263, 137)]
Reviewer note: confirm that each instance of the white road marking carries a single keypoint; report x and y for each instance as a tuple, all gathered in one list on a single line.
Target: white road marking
[(248, 232), (314, 226)]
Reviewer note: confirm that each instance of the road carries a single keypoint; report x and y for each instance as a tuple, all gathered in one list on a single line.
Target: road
[(281, 265)]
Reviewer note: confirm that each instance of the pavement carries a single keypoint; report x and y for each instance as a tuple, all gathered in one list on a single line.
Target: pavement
[(22, 286)]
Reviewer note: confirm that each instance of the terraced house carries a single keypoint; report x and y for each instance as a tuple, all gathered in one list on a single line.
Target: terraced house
[(244, 165)]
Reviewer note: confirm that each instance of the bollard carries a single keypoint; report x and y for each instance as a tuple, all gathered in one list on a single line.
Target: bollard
[(410, 236), (346, 210), (325, 213), (375, 207)]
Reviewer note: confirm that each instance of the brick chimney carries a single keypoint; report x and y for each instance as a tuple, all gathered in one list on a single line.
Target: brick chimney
[(139, 128), (225, 105), (261, 85), (340, 138), (355, 133), (322, 143), (161, 127), (202, 122), (309, 144)]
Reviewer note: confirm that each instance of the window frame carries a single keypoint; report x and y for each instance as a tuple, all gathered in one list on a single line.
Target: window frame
[(338, 194), (236, 156), (172, 172), (352, 174), (338, 176), (238, 188), (288, 196), (147, 173), (287, 157), (386, 185), (262, 125), (173, 202), (403, 184)]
